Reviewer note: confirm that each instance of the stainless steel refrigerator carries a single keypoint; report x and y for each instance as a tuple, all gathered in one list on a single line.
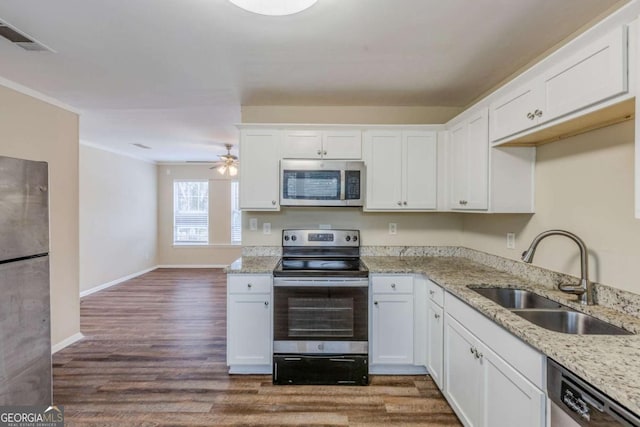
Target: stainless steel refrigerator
[(25, 328)]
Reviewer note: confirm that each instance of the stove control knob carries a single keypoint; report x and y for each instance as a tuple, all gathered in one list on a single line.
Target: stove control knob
[(355, 238), (294, 238), (286, 238), (348, 238)]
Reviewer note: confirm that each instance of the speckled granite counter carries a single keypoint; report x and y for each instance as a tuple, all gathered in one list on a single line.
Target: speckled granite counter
[(610, 363), (253, 265)]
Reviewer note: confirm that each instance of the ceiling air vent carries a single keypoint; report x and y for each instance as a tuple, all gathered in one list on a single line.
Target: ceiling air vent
[(21, 39)]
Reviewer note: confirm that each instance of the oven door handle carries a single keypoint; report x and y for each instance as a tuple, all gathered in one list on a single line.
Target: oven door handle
[(316, 283)]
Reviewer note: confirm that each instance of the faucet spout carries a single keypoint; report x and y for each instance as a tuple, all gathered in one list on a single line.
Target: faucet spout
[(585, 288)]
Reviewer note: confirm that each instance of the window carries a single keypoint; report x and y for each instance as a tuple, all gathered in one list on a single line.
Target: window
[(191, 211), (236, 215)]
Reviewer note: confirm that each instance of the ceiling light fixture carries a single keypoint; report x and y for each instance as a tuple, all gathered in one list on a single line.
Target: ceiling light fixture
[(274, 7), (228, 163)]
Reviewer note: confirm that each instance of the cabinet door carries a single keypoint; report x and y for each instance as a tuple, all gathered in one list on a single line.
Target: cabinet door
[(597, 72), (462, 373), (249, 329), (302, 144), (342, 144), (384, 170), (435, 334), (515, 111), (458, 161), (392, 329), (509, 398), (477, 162), (420, 170), (260, 169), (470, 163)]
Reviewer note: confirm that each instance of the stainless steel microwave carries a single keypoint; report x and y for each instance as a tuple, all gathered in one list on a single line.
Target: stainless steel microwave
[(321, 183)]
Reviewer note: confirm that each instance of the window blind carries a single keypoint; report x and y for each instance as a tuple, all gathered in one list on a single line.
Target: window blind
[(191, 211)]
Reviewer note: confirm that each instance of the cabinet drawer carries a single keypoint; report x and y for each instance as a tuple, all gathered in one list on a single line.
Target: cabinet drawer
[(436, 293), (392, 284), (248, 284)]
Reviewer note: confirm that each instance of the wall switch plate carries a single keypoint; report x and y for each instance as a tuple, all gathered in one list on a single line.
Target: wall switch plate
[(266, 228), (393, 228), (324, 226), (253, 224), (511, 240)]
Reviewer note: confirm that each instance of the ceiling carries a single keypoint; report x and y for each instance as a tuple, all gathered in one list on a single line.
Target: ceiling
[(172, 74)]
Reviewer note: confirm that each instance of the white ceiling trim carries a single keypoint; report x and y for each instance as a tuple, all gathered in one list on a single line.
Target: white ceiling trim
[(38, 95)]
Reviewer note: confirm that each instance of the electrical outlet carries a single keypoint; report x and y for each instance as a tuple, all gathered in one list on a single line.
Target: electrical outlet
[(393, 228), (266, 228), (511, 240), (253, 224)]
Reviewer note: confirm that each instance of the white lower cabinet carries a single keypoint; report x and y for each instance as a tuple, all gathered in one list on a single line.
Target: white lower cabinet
[(435, 342), (249, 313), (392, 322), (482, 388)]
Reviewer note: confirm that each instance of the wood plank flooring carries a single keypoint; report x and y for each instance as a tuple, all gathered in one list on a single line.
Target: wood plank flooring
[(154, 355)]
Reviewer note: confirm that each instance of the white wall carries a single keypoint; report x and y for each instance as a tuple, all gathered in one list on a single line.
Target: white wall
[(219, 251), (36, 130), (118, 216), (584, 184)]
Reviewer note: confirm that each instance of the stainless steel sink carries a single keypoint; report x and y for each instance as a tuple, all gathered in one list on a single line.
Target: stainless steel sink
[(570, 322), (517, 298), (549, 314)]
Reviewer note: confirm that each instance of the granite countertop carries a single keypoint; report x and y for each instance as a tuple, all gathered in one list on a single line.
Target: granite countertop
[(253, 265), (610, 363)]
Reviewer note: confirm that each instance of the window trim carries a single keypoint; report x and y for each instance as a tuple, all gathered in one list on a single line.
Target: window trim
[(173, 201)]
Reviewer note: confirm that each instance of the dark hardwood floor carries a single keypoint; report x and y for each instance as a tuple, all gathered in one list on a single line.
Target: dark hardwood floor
[(154, 355)]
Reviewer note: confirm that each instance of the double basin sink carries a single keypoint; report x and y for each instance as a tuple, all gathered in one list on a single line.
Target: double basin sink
[(549, 314)]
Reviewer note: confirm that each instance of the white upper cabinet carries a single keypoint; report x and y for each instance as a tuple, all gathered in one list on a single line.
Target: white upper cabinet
[(586, 77), (259, 169), (322, 144), (469, 163), (401, 170), (516, 111), (591, 75)]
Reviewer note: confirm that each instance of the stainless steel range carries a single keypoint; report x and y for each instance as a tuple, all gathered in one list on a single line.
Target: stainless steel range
[(320, 309)]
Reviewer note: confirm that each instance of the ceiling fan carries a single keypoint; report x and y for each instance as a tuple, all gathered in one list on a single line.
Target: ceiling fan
[(228, 163)]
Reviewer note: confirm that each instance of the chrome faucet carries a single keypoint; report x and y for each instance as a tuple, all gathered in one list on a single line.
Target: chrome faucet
[(585, 289)]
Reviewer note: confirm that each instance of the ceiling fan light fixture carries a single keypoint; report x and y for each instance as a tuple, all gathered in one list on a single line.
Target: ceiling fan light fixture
[(233, 171), (274, 7)]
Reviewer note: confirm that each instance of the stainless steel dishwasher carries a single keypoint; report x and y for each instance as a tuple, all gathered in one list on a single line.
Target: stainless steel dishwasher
[(574, 402)]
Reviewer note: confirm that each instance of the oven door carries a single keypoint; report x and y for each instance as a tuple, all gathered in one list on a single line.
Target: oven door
[(320, 316)]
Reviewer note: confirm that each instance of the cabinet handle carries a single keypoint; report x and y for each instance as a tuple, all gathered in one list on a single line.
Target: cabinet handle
[(273, 202), (437, 316), (319, 152), (266, 303), (324, 152), (432, 292), (399, 203), (530, 116), (404, 203), (375, 303), (249, 285), (472, 350), (393, 286), (538, 113)]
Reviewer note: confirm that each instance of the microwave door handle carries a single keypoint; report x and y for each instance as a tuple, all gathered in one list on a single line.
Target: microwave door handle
[(342, 184)]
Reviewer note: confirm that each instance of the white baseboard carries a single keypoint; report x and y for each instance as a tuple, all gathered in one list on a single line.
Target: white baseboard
[(115, 282), (193, 266), (66, 342)]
